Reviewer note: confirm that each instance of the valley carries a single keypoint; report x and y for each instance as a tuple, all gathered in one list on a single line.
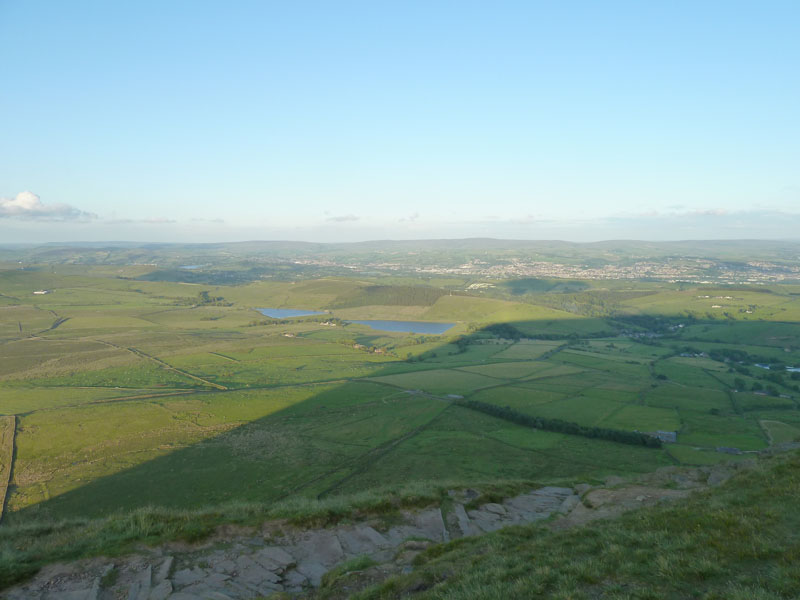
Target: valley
[(129, 395)]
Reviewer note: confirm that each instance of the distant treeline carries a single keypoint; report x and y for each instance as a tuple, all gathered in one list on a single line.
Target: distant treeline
[(205, 299), (511, 332), (391, 295), (633, 438)]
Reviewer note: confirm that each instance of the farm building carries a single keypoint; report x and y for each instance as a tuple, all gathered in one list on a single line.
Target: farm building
[(668, 437)]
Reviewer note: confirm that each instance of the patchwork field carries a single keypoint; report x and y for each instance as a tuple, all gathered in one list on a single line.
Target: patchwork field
[(126, 393)]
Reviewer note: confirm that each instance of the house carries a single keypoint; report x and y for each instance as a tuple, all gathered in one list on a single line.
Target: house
[(669, 437)]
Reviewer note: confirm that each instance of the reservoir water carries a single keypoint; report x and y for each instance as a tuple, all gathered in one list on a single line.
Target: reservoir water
[(286, 313), (408, 326), (401, 326)]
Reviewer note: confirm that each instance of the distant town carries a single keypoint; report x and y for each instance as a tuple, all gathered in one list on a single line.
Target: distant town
[(672, 270)]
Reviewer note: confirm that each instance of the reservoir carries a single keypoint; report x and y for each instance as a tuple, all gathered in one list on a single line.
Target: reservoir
[(408, 326), (400, 326), (287, 313)]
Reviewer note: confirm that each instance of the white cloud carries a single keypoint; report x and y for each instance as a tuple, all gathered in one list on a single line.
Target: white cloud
[(27, 205), (342, 218), (151, 221)]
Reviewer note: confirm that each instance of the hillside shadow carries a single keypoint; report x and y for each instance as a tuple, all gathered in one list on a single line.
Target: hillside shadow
[(289, 453)]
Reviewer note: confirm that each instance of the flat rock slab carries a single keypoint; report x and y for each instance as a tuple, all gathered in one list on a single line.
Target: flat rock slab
[(464, 522), (361, 540), (569, 503), (321, 546)]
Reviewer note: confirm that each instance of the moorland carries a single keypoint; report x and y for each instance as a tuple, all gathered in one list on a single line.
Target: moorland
[(133, 388)]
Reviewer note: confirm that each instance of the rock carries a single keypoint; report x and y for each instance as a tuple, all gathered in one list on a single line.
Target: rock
[(597, 498), (161, 591), (464, 524), (226, 566), (312, 571), (186, 577), (319, 546), (140, 587), (216, 579), (530, 505), (558, 492), (486, 521), (295, 579), (251, 572), (431, 524), (582, 488), (569, 503), (82, 594), (277, 555), (362, 540), (198, 591), (94, 592), (162, 573), (492, 507)]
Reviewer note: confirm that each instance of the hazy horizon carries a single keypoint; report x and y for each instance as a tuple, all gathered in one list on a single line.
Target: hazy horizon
[(132, 242)]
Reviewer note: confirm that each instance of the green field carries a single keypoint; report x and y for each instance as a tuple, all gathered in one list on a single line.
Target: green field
[(130, 392)]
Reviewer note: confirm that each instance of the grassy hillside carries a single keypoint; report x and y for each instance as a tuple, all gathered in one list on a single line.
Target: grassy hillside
[(130, 394), (736, 542)]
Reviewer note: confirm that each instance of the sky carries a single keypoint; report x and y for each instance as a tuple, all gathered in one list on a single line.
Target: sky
[(347, 121)]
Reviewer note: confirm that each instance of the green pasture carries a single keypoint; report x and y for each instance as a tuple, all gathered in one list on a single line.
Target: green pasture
[(712, 431), (685, 372), (780, 432), (143, 395), (527, 350), (685, 398), (642, 418), (438, 381), (512, 370), (717, 303), (747, 333), (44, 357)]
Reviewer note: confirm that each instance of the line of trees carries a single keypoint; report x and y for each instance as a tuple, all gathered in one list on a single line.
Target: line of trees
[(633, 438)]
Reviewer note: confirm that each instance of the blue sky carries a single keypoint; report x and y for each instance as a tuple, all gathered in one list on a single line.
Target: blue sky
[(192, 121)]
